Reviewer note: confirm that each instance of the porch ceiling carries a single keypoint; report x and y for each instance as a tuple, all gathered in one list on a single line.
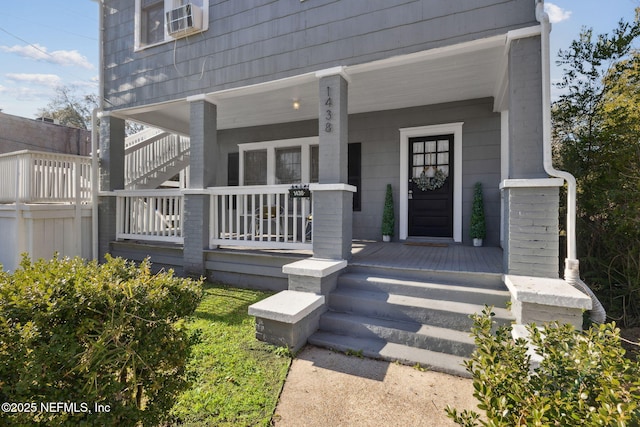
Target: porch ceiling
[(465, 71)]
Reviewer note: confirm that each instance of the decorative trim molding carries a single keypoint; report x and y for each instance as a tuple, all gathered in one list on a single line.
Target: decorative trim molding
[(405, 134)]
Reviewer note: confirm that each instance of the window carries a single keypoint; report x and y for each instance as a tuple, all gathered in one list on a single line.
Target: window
[(150, 20), (288, 165), (255, 167), (288, 161)]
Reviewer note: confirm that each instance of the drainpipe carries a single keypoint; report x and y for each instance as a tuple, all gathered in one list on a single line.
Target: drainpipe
[(95, 185), (572, 265)]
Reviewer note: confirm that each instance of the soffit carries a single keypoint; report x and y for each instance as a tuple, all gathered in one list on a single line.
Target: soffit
[(465, 71)]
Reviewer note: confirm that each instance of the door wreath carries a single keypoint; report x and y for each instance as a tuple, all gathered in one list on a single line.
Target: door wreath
[(430, 183)]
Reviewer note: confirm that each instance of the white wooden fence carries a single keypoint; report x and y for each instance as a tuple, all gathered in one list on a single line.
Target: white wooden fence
[(39, 177)]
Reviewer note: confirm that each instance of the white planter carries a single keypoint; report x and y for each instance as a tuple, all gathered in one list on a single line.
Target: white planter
[(477, 242), (386, 238)]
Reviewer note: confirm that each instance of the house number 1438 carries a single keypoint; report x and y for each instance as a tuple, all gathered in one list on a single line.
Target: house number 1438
[(328, 113)]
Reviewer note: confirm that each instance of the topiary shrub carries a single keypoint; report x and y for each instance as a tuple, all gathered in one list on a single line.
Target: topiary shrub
[(86, 334), (478, 227), (388, 218), (583, 379)]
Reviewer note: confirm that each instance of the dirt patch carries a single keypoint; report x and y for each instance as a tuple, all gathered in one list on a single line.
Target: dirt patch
[(631, 342)]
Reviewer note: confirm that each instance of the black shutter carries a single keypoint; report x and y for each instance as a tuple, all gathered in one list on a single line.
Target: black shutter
[(355, 172), (233, 169)]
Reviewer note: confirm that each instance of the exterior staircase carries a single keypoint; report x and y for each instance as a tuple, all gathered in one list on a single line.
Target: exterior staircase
[(411, 316), (152, 157)]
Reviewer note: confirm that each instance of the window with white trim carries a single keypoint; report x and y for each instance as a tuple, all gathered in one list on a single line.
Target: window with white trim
[(289, 161), (150, 20)]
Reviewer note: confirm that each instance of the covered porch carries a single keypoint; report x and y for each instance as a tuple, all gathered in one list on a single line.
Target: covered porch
[(463, 91)]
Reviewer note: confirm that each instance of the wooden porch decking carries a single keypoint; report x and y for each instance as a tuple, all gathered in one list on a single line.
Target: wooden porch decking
[(427, 256), (410, 255)]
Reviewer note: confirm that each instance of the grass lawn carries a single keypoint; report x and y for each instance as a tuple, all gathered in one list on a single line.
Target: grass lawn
[(236, 379)]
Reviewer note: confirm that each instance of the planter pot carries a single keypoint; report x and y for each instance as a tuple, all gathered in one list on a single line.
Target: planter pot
[(477, 242), (386, 238)]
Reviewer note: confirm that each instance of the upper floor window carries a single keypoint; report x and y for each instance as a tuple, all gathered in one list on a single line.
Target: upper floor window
[(188, 17)]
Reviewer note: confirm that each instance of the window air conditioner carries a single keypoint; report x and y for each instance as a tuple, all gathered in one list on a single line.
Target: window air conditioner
[(184, 20)]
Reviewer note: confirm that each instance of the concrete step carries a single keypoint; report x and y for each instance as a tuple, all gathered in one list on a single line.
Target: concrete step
[(473, 279), (434, 290), (433, 312), (381, 349), (408, 333)]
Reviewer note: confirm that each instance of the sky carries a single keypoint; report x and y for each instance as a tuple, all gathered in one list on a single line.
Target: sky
[(45, 44)]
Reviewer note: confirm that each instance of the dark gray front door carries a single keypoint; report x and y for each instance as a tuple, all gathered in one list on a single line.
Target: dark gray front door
[(431, 186)]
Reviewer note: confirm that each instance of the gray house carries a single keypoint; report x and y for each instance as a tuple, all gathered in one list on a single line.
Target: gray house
[(296, 115)]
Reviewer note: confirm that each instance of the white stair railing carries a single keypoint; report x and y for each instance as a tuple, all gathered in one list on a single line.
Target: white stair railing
[(152, 159)]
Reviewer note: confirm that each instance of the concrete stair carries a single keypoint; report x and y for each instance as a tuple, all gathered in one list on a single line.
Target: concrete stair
[(410, 316)]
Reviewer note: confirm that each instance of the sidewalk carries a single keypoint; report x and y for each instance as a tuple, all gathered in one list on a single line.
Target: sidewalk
[(325, 388)]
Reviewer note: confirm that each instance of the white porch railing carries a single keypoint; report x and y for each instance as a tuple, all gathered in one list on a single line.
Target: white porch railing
[(39, 177), (153, 215), (260, 216), (148, 158)]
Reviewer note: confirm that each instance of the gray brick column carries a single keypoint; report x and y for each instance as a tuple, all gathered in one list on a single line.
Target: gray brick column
[(204, 154), (532, 229), (111, 176), (332, 208)]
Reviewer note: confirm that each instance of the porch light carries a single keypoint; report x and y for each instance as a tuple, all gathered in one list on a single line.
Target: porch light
[(296, 104)]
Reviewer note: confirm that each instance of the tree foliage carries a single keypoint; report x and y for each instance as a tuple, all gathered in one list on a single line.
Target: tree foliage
[(597, 139), (72, 108)]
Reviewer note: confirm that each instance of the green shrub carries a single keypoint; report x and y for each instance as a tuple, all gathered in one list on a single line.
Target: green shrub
[(85, 333), (478, 227), (583, 379), (388, 218)]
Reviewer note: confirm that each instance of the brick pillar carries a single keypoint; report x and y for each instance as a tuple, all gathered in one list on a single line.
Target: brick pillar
[(112, 135), (332, 205), (532, 228), (204, 153)]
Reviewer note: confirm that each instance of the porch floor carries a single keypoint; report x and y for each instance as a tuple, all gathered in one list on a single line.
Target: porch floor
[(411, 256), (427, 256)]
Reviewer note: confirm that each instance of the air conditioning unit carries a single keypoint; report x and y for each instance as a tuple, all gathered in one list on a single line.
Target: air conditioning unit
[(184, 20)]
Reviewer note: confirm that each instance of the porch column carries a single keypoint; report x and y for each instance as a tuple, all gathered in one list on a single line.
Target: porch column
[(202, 174), (112, 136), (525, 110), (333, 206), (530, 197)]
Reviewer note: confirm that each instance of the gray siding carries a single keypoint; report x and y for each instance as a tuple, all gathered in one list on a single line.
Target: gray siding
[(380, 137), (252, 41)]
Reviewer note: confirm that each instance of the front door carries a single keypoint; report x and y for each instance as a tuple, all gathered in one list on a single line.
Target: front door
[(431, 186)]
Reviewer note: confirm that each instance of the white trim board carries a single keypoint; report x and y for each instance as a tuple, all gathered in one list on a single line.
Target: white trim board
[(441, 129)]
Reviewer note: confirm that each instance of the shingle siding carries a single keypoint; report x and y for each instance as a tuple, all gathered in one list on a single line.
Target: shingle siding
[(250, 42)]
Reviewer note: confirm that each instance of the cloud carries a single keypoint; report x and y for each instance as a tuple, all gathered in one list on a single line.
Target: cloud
[(556, 13), (49, 80), (60, 57)]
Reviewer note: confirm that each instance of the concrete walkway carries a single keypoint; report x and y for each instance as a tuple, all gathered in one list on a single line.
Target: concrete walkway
[(325, 388)]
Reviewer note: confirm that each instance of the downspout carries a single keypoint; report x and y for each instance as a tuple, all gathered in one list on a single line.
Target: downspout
[(572, 265), (95, 185)]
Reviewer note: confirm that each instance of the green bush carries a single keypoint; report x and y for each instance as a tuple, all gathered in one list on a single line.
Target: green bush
[(478, 226), (583, 379), (388, 218), (86, 334)]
